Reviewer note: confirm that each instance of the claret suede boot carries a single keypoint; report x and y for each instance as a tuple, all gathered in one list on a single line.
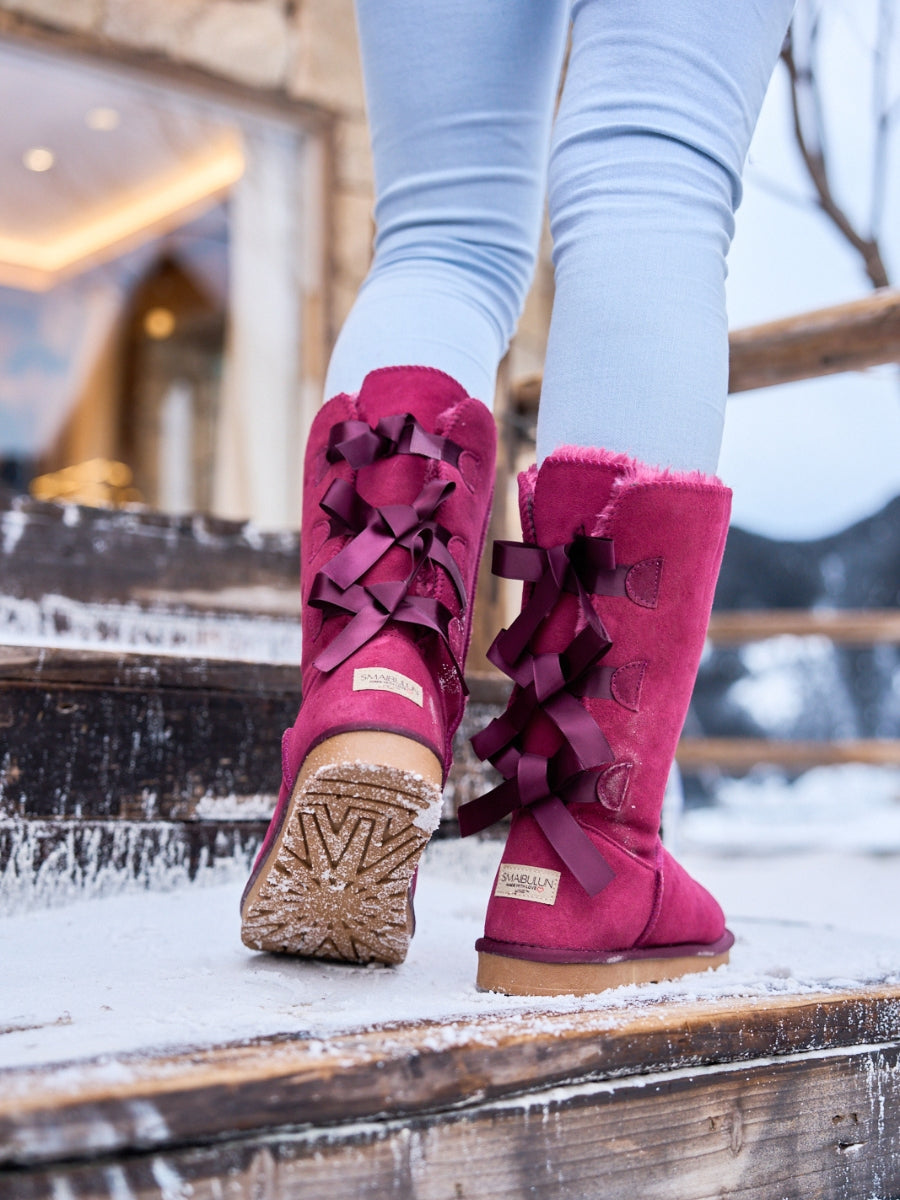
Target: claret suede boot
[(397, 491), (619, 563)]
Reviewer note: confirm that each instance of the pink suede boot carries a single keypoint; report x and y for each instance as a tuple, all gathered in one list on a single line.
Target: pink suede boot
[(397, 492), (620, 565)]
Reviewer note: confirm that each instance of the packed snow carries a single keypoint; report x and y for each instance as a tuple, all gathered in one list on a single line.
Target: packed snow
[(122, 628), (107, 977)]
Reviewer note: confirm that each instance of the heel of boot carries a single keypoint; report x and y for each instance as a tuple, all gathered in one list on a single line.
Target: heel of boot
[(335, 882)]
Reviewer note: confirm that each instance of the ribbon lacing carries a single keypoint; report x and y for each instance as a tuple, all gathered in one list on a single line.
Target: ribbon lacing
[(373, 531), (552, 683)]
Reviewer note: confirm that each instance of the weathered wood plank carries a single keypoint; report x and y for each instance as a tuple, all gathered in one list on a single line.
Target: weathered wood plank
[(97, 856), (817, 1125), (742, 754), (849, 627), (205, 1094), (845, 337), (136, 737), (131, 762), (142, 737), (146, 558), (45, 667)]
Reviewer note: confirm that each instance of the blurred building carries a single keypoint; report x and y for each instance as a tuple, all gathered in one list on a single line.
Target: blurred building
[(184, 219)]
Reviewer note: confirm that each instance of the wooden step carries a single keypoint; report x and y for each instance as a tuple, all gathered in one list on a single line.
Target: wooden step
[(122, 762), (147, 559), (771, 1096)]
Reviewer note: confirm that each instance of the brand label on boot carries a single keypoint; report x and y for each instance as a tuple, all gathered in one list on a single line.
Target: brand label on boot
[(527, 883), (380, 679)]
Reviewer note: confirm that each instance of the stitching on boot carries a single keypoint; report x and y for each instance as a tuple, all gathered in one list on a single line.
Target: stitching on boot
[(642, 582), (656, 910), (626, 684)]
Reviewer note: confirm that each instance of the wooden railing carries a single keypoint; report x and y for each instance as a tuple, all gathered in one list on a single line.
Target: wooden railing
[(846, 337), (844, 627)]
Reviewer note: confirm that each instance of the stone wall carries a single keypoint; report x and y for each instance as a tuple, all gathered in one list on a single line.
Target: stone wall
[(301, 51)]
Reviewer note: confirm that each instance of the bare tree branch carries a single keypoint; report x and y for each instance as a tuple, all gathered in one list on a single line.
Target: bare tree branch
[(811, 143), (881, 113)]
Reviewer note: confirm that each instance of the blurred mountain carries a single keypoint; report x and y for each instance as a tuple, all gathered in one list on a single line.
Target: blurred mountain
[(856, 568), (805, 688)]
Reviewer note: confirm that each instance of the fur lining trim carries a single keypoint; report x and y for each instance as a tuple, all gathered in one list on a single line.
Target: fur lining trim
[(527, 484), (632, 470)]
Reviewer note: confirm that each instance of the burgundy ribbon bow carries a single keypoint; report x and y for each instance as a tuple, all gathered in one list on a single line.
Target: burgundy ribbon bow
[(337, 588), (551, 683), (358, 444)]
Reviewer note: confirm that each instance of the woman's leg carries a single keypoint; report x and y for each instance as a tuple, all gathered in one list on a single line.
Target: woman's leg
[(658, 109), (460, 99), (657, 113)]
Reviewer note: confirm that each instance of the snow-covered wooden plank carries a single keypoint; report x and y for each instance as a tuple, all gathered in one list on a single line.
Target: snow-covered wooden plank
[(139, 763), (743, 754), (53, 861), (137, 737), (847, 627), (145, 558), (751, 1094), (822, 1128), (91, 734)]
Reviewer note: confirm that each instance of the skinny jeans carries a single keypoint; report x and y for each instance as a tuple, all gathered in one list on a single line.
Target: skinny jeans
[(640, 167)]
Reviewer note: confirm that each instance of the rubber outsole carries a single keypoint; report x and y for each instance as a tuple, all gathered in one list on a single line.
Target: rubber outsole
[(522, 977), (335, 883)]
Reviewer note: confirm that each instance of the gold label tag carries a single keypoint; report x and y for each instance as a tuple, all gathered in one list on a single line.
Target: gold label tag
[(527, 883), (380, 679)]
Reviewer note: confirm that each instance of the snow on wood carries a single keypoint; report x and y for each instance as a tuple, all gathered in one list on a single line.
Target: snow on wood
[(147, 1052), (138, 972)]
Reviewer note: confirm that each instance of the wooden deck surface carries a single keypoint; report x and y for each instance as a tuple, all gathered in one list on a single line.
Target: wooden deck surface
[(784, 1096)]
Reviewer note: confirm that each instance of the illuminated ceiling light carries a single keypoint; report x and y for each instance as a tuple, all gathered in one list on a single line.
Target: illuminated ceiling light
[(38, 158), (102, 119), (37, 265), (159, 323)]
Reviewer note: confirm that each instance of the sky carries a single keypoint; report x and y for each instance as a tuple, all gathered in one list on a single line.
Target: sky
[(810, 458)]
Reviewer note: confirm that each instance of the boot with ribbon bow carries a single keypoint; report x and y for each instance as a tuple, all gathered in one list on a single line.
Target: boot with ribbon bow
[(397, 492), (619, 565)]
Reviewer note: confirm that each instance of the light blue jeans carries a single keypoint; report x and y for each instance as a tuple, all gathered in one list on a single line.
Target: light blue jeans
[(642, 170)]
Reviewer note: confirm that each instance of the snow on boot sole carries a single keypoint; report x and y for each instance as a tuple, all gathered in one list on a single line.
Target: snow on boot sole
[(335, 882)]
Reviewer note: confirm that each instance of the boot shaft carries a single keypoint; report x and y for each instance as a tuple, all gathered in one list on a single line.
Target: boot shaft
[(668, 534), (620, 565), (397, 489)]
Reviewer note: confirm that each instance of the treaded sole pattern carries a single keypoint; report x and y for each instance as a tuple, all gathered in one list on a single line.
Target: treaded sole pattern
[(335, 884), (521, 977)]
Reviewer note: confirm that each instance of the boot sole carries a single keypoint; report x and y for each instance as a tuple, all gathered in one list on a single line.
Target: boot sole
[(335, 884), (521, 977)]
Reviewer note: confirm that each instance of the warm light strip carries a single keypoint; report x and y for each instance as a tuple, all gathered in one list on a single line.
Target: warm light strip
[(101, 233)]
